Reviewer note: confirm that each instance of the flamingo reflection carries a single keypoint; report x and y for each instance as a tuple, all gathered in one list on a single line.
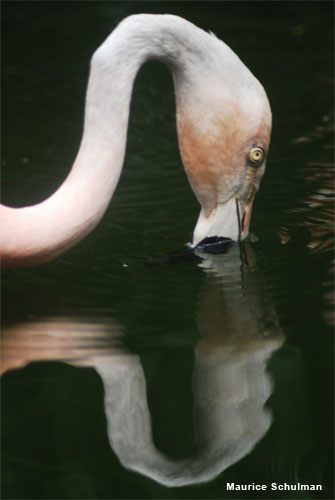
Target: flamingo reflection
[(239, 333)]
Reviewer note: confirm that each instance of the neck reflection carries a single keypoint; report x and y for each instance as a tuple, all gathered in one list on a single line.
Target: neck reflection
[(239, 332)]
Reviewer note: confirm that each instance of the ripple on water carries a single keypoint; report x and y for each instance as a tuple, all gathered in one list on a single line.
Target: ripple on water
[(314, 211)]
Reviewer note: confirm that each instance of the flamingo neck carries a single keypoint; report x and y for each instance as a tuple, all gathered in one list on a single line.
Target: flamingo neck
[(35, 234)]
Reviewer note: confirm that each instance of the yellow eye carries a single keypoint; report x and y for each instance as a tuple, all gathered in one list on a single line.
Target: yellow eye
[(256, 155)]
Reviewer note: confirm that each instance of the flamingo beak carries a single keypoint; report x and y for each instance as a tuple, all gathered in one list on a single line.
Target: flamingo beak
[(246, 218), (228, 221)]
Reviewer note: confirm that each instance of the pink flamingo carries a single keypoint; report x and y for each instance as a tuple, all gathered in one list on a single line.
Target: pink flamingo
[(223, 122)]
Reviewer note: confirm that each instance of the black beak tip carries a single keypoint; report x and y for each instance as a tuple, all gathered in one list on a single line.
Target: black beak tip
[(215, 245)]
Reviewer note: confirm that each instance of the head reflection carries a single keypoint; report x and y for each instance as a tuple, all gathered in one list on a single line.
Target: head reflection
[(239, 331)]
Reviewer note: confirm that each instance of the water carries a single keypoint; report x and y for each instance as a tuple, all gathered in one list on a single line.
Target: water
[(126, 374)]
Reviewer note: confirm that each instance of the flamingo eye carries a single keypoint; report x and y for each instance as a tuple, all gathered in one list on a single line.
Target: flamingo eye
[(256, 155)]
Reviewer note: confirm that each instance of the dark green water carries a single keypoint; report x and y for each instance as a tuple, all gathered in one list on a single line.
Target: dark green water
[(124, 379)]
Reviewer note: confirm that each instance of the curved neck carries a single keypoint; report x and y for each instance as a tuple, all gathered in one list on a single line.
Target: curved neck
[(114, 66), (35, 234)]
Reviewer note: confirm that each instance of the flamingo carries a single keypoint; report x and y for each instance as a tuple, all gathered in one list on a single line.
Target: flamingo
[(223, 122)]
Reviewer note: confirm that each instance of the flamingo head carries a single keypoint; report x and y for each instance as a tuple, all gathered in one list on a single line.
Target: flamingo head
[(224, 140)]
